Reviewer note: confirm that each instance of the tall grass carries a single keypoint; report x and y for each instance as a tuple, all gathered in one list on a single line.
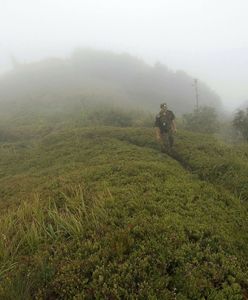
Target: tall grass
[(37, 223)]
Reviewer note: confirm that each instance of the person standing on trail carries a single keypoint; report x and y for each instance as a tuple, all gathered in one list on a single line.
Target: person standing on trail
[(165, 127)]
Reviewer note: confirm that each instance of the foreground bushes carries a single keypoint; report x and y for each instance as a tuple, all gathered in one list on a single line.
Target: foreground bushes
[(88, 252), (114, 220)]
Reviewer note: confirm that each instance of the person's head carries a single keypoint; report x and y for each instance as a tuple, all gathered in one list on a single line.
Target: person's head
[(163, 106)]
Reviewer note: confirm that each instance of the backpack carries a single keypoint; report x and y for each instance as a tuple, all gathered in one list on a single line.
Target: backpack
[(165, 123)]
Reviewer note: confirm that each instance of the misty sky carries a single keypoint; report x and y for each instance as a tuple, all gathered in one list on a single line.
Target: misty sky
[(206, 38)]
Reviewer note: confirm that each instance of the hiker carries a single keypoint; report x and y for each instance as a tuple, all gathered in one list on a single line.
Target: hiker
[(165, 126)]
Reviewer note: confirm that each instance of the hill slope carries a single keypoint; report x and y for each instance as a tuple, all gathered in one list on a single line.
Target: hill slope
[(101, 76), (102, 214)]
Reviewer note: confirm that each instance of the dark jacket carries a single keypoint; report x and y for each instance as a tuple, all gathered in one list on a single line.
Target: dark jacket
[(164, 120)]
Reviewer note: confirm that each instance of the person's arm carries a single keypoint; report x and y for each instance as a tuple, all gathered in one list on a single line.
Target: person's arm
[(157, 129), (174, 127), (157, 133), (173, 123)]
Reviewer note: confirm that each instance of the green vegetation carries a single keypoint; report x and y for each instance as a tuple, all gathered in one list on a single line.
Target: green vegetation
[(240, 123), (98, 212), (218, 163), (202, 120)]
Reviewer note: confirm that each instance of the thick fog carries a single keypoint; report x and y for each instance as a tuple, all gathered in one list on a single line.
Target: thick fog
[(206, 38)]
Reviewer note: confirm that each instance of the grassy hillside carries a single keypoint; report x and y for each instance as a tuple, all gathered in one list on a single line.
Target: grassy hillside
[(99, 213)]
